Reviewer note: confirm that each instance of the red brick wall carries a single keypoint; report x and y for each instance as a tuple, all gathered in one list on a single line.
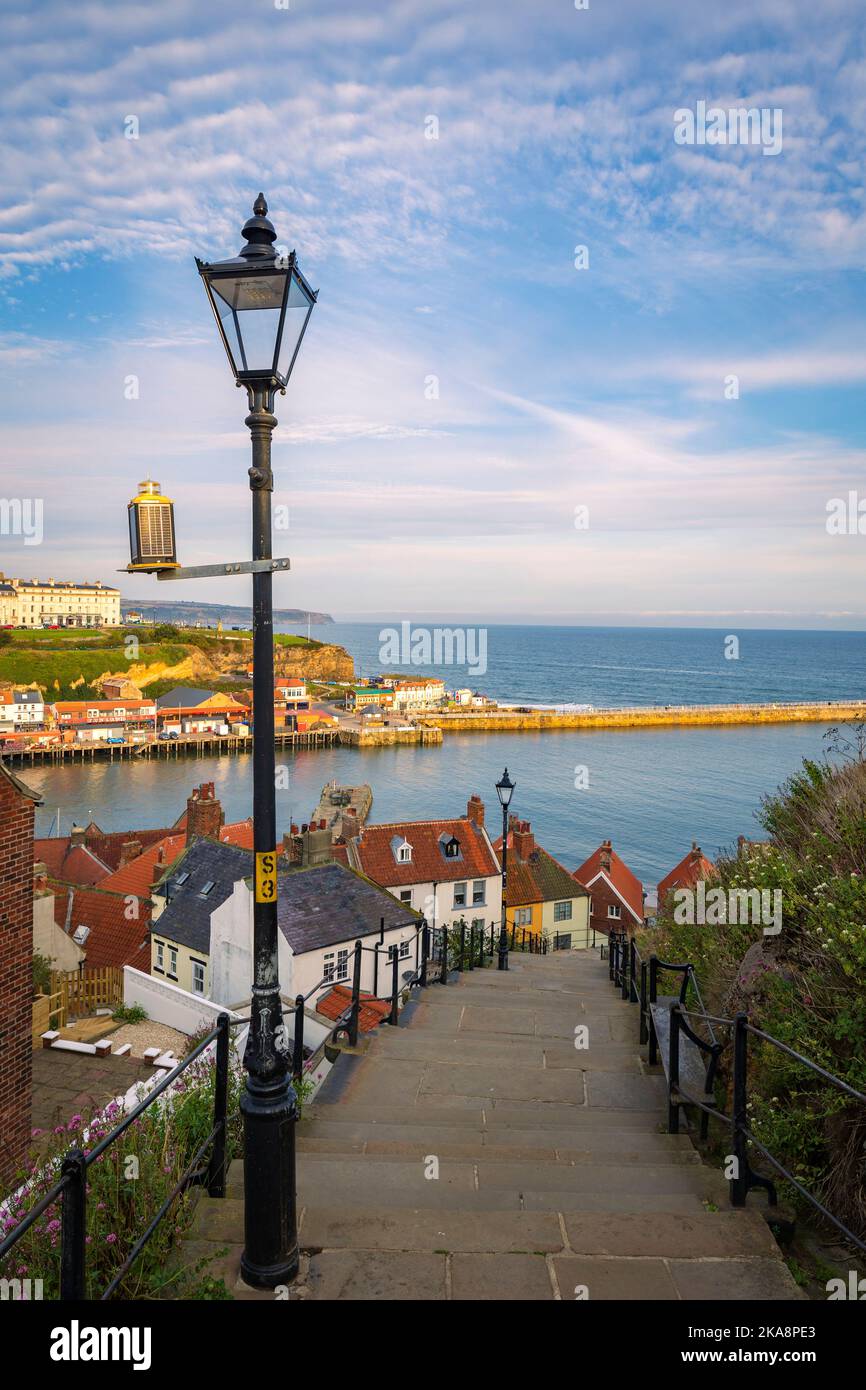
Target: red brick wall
[(602, 898), (16, 974)]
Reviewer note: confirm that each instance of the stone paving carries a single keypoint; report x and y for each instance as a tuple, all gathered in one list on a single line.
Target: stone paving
[(555, 1179), (76, 1083)]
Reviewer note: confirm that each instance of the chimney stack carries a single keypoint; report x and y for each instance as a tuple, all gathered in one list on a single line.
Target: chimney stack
[(605, 856), (129, 850), (523, 840), (475, 810), (77, 835), (204, 813)]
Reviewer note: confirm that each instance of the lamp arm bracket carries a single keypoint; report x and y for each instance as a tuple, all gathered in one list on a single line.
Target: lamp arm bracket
[(215, 571)]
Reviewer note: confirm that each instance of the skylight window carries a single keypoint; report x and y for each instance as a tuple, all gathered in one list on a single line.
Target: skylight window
[(203, 892), (181, 878)]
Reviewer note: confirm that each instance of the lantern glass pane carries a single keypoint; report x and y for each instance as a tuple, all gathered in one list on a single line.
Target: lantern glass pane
[(249, 307), (298, 309)]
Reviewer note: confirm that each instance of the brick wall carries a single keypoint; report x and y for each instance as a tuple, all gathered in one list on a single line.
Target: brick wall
[(16, 970)]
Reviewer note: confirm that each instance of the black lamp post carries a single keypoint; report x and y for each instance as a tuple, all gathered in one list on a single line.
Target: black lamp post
[(262, 304), (504, 790)]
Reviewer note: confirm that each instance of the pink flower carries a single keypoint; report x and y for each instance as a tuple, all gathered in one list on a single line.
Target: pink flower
[(110, 1238)]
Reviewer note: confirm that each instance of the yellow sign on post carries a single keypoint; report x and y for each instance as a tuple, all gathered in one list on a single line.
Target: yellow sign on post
[(266, 876)]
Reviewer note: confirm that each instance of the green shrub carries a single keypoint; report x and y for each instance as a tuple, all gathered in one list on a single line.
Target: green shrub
[(808, 987)]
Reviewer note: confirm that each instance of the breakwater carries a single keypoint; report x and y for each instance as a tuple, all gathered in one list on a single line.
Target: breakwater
[(643, 717)]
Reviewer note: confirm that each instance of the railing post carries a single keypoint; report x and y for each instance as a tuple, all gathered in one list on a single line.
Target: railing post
[(472, 946), (356, 996), (394, 988), (425, 953), (481, 945), (462, 925), (632, 971), (216, 1178), (492, 940), (298, 1040), (624, 987), (73, 1218), (653, 993), (674, 1071), (642, 1036), (739, 1184), (513, 934), (611, 938), (443, 979)]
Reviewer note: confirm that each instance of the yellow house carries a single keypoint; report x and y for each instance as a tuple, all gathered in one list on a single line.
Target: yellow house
[(542, 896)]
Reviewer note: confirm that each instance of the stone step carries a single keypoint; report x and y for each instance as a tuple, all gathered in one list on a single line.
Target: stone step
[(579, 1119), (596, 1146), (487, 1185)]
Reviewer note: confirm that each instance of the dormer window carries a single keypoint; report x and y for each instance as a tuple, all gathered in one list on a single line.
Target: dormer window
[(451, 848), (402, 850)]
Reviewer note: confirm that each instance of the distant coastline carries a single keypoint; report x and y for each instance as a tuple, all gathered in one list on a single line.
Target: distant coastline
[(187, 611)]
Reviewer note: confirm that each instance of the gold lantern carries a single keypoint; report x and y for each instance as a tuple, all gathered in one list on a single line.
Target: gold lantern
[(151, 530)]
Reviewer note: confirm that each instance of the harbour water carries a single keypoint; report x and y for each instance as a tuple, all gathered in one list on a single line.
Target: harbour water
[(652, 791)]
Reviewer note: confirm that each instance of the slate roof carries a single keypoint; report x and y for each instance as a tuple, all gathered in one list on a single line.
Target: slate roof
[(328, 904), (371, 852), (186, 918), (184, 696)]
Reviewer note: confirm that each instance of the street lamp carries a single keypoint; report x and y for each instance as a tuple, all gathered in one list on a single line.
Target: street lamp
[(504, 790), (262, 305)]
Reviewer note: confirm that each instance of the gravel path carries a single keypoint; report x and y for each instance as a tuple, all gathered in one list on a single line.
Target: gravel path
[(148, 1034)]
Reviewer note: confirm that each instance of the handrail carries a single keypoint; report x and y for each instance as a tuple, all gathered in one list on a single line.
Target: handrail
[(741, 1135)]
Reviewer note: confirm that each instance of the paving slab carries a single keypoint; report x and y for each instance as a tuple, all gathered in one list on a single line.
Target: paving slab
[(729, 1280), (724, 1234), (500, 1278), (589, 1278), (443, 1232), (367, 1276)]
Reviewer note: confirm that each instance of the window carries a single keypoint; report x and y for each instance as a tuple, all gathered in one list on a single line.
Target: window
[(614, 911), (181, 878), (329, 963), (172, 962), (562, 912), (460, 895), (523, 917), (478, 893), (160, 955), (404, 853), (198, 977), (343, 965), (406, 896), (404, 949), (203, 892)]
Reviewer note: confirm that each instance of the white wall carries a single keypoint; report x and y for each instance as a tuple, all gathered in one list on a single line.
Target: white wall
[(231, 927), (437, 902)]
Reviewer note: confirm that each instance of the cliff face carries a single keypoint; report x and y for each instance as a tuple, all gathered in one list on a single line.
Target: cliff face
[(326, 663), (202, 666)]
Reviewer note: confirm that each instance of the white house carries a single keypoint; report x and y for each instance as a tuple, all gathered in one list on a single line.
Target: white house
[(321, 912), (445, 869), (419, 694), (21, 709)]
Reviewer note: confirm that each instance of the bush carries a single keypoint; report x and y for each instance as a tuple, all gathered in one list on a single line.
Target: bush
[(126, 1187), (130, 1013), (41, 974), (807, 986)]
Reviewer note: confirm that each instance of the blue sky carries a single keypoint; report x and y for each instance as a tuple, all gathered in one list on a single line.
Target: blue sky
[(451, 258)]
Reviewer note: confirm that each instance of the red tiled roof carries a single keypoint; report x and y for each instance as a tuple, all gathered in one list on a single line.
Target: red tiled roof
[(137, 876), (371, 1011), (625, 884), (692, 868), (371, 852), (70, 863), (538, 879), (114, 939)]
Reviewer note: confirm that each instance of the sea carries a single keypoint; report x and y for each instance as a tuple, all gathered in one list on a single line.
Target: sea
[(653, 792)]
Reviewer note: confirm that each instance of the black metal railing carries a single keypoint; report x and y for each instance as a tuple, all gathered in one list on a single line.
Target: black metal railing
[(439, 952), (637, 981)]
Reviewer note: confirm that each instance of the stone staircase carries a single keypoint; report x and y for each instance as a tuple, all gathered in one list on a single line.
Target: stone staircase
[(555, 1178)]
